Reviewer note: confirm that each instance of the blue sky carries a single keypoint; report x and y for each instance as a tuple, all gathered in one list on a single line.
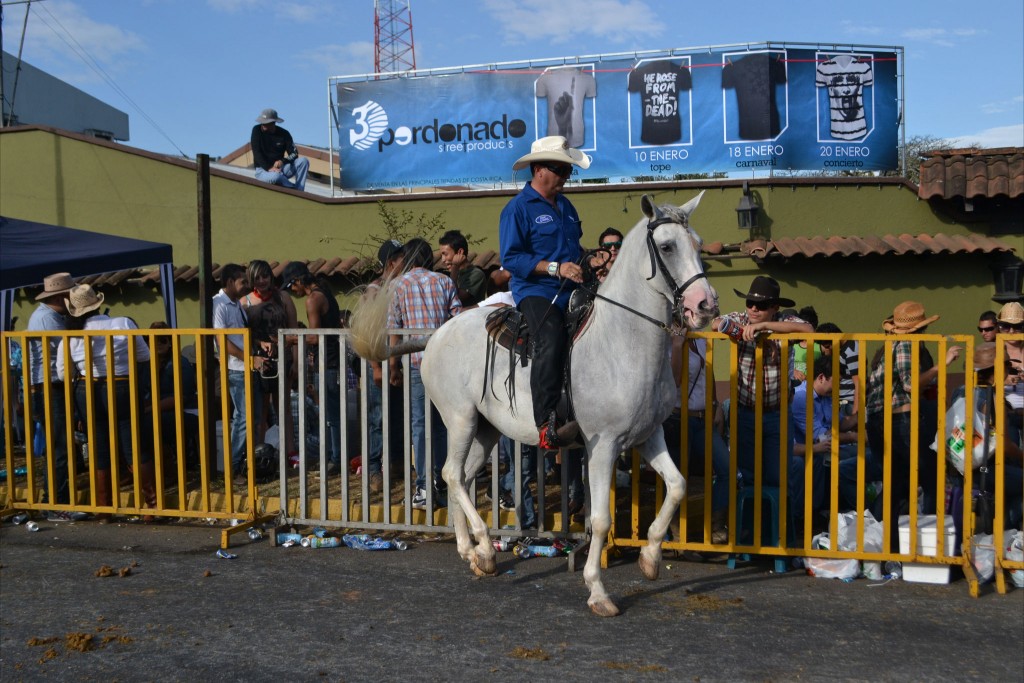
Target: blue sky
[(194, 74)]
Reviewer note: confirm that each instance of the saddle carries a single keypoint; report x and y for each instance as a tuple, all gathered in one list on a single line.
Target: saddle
[(506, 327)]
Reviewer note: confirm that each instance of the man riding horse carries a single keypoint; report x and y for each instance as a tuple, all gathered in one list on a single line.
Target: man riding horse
[(539, 235)]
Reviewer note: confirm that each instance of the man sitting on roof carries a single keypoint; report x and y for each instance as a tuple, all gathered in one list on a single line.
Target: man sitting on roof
[(274, 153)]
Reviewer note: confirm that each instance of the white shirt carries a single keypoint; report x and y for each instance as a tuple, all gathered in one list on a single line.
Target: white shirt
[(119, 344), (43, 318), (227, 315)]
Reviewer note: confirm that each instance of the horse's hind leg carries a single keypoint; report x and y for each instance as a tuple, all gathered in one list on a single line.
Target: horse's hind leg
[(471, 449), (656, 454)]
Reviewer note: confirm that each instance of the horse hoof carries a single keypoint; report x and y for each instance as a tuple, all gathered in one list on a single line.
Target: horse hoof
[(483, 567), (649, 568), (604, 608)]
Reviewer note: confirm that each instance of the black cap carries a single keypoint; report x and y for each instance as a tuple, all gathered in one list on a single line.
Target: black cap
[(295, 270), (388, 251)]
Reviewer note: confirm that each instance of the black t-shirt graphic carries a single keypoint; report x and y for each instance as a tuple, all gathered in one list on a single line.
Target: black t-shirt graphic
[(659, 84), (754, 78)]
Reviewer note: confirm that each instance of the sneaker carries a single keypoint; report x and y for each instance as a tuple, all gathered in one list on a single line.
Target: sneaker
[(419, 501), (66, 516), (376, 482), (506, 502), (333, 467)]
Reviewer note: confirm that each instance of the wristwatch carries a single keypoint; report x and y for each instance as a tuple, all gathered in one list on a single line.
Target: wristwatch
[(553, 268)]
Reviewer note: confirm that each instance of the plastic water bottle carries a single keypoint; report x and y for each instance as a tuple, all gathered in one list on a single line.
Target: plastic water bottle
[(892, 570), (527, 551), (317, 542), (39, 441), (367, 542)]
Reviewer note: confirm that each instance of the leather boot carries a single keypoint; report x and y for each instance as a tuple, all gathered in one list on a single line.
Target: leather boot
[(103, 494), (147, 483), (719, 530)]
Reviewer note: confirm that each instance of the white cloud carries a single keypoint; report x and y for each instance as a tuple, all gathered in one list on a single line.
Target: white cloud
[(854, 29), (541, 21), (59, 32), (1000, 136), (940, 36), (293, 11)]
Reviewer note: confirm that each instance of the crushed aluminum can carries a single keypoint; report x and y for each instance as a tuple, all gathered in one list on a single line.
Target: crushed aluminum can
[(20, 518), (288, 544), (32, 526), (255, 534), (225, 555)]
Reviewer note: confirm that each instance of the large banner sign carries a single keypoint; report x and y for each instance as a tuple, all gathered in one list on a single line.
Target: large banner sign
[(661, 114)]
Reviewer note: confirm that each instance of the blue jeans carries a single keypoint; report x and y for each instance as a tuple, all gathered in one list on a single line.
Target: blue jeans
[(375, 418), (58, 429), (331, 414), (101, 448), (769, 445), (236, 388), (719, 460), (297, 169), (507, 483), (439, 434)]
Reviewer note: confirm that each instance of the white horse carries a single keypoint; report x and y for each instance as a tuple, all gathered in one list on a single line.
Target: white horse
[(618, 404)]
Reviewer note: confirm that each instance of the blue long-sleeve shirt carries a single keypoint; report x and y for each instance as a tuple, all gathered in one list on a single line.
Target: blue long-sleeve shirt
[(532, 230), (822, 419)]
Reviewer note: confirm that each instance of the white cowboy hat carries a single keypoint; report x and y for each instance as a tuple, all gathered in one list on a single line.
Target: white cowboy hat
[(552, 148), (82, 299), (55, 284), (268, 115)]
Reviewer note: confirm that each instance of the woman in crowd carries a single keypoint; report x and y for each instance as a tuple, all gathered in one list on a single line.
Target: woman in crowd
[(268, 309)]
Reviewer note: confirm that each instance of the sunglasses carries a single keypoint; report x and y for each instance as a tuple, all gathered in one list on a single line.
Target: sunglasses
[(563, 171), (612, 245), (760, 305), (986, 329), (1011, 326)]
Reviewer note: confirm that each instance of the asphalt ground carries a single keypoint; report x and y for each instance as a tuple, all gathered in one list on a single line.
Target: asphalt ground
[(335, 614)]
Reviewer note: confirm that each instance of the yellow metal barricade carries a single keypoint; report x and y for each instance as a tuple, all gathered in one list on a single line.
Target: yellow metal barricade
[(150, 471)]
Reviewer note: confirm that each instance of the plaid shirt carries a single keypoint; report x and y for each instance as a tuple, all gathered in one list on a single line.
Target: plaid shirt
[(771, 369), (901, 377), (422, 299)]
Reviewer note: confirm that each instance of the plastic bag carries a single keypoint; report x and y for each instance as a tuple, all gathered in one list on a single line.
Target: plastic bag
[(954, 436), (873, 533), (1013, 542), (824, 568), (983, 557)]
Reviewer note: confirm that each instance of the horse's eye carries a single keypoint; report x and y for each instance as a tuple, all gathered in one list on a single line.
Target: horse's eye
[(666, 248)]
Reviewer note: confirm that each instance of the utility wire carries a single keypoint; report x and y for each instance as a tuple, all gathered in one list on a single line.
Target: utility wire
[(84, 55)]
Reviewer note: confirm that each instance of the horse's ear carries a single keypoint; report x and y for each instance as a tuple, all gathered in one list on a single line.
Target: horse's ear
[(647, 206), (690, 206)]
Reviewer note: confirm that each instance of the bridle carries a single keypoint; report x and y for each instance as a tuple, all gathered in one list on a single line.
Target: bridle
[(657, 264)]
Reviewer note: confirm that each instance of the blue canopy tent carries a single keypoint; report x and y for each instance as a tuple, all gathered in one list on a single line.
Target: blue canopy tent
[(30, 251)]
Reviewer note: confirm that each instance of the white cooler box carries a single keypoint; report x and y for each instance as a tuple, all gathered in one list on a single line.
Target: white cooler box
[(926, 544)]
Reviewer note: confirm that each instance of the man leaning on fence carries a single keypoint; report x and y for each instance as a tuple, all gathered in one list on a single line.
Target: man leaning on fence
[(49, 316)]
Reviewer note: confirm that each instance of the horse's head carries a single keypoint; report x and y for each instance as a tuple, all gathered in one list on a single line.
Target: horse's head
[(676, 269)]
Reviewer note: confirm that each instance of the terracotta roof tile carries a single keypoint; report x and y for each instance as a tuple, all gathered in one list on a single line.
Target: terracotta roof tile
[(972, 173), (811, 247)]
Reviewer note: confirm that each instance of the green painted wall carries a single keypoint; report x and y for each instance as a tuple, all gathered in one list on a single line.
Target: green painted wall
[(64, 180)]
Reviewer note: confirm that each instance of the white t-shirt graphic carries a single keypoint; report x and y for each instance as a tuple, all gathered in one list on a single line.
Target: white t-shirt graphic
[(846, 77), (565, 90)]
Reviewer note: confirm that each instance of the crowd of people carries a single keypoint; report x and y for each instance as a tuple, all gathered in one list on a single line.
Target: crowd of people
[(543, 262)]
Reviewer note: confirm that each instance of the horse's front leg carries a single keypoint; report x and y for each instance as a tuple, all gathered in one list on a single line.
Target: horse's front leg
[(655, 453), (600, 470)]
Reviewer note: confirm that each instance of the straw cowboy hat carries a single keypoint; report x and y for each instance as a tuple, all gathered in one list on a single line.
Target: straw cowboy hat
[(268, 115), (554, 148), (1012, 313), (907, 317), (55, 284), (83, 299), (984, 356), (765, 288)]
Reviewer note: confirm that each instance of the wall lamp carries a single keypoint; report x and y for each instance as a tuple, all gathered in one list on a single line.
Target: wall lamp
[(746, 210)]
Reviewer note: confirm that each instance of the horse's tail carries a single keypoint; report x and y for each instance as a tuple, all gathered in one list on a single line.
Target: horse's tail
[(369, 324)]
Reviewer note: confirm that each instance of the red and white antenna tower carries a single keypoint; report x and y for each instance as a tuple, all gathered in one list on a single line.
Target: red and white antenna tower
[(392, 36)]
